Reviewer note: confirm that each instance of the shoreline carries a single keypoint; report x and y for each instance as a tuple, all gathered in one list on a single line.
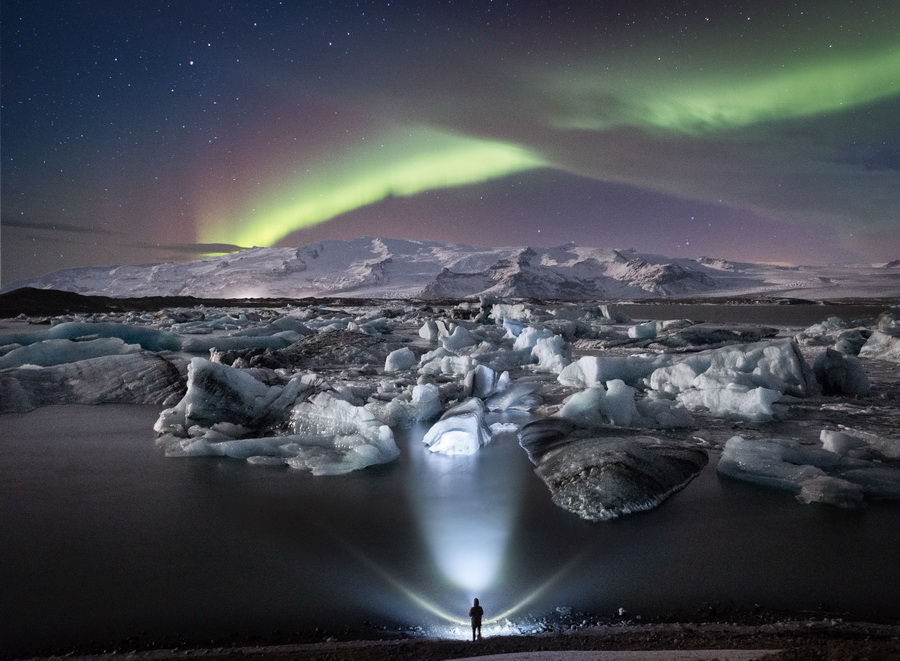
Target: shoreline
[(783, 640)]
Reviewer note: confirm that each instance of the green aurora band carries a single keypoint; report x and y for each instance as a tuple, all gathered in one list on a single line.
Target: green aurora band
[(408, 161), (401, 165), (735, 101)]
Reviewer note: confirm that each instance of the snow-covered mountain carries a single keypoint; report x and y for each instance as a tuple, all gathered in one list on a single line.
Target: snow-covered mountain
[(398, 268)]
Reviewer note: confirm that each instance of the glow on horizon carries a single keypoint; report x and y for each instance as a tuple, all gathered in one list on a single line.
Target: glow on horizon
[(402, 163)]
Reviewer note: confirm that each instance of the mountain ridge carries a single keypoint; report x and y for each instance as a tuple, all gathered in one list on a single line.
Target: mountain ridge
[(403, 268)]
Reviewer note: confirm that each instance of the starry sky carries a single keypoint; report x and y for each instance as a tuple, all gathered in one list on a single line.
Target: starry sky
[(147, 131)]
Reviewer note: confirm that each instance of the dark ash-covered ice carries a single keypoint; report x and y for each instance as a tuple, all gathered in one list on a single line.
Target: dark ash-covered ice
[(600, 477)]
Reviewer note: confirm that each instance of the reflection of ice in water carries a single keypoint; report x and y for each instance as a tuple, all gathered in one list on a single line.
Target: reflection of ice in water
[(465, 508)]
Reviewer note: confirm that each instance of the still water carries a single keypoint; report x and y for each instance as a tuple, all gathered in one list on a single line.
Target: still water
[(102, 538)]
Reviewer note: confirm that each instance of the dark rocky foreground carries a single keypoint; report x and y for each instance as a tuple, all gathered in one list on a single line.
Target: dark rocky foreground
[(820, 640)]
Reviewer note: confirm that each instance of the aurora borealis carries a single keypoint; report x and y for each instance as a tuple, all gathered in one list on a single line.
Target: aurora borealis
[(157, 131)]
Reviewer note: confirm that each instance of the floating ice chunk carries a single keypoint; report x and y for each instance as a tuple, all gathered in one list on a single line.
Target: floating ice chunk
[(860, 445), (817, 475), (513, 327), (337, 437), (645, 331), (400, 360), (620, 406), (280, 325), (262, 460), (430, 363), (504, 427), (838, 374), (590, 371), (658, 410), (529, 336), (56, 352), (220, 393), (616, 405), (675, 378), (460, 339), (501, 312), (272, 446), (831, 491), (325, 416), (733, 401), (130, 378), (601, 478), (148, 338), (889, 322), (429, 331), (550, 353), (423, 405), (517, 396), (207, 343), (830, 325), (377, 326), (452, 364), (774, 462), (881, 346), (500, 359), (586, 408), (482, 382), (776, 365), (850, 342), (877, 481), (461, 430), (839, 442)]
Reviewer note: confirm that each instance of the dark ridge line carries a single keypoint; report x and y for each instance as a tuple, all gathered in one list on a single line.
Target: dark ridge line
[(30, 301)]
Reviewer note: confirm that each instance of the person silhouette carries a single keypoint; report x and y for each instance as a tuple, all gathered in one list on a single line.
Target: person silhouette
[(476, 612)]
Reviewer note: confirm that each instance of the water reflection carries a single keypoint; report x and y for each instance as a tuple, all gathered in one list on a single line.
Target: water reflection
[(466, 509)]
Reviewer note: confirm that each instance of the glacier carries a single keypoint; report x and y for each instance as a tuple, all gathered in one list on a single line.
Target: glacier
[(400, 269)]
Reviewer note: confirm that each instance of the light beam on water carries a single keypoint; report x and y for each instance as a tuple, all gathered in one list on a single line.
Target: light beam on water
[(465, 512)]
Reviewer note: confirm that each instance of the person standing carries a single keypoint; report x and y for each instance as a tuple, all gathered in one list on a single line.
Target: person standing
[(476, 613)]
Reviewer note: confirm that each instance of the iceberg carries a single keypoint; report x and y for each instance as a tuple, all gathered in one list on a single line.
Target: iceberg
[(460, 430), (55, 352), (586, 408), (516, 396), (601, 478), (459, 339), (148, 338), (422, 405), (206, 344), (815, 474), (329, 436), (400, 360), (646, 331), (590, 371), (733, 401), (338, 437), (550, 353), (529, 336), (840, 374), (881, 346), (219, 393), (129, 378)]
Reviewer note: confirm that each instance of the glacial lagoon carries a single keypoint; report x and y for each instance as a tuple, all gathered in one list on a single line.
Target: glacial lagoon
[(105, 539)]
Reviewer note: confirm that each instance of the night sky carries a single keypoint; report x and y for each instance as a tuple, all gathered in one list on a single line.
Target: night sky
[(142, 131)]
